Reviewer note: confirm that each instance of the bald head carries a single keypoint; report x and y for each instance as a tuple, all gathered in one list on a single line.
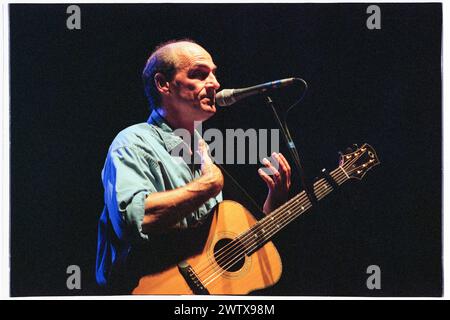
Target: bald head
[(182, 52), (168, 58)]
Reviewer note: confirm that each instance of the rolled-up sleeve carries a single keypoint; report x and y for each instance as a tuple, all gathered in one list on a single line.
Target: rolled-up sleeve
[(128, 179)]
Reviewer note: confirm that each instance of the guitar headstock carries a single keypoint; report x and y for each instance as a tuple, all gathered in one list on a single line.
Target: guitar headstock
[(358, 162)]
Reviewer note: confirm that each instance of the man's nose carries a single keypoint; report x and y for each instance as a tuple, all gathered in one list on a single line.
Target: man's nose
[(213, 82)]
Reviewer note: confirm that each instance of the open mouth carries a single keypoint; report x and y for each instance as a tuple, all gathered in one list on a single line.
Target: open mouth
[(210, 100)]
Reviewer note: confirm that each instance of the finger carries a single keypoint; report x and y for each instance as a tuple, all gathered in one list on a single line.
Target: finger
[(281, 167), (275, 174), (200, 145), (203, 151), (268, 180), (286, 163), (201, 148), (288, 168)]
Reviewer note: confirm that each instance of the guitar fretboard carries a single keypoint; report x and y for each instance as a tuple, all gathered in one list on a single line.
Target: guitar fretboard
[(271, 224)]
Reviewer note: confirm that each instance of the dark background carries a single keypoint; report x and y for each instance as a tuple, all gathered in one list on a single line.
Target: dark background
[(73, 91)]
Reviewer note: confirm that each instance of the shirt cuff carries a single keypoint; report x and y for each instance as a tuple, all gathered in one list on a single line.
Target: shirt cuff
[(134, 216)]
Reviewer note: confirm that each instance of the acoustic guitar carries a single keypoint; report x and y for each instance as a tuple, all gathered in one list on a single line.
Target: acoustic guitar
[(237, 256)]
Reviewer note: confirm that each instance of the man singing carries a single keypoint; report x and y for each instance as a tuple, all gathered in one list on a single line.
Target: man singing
[(148, 192)]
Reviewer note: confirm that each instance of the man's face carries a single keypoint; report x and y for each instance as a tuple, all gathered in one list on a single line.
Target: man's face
[(193, 88)]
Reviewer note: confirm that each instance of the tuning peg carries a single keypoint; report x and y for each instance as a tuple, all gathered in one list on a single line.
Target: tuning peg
[(355, 145)]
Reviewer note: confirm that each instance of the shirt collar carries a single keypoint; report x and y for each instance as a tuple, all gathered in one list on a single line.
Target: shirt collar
[(170, 139)]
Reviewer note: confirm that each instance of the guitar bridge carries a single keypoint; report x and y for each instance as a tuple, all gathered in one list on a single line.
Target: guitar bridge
[(191, 278)]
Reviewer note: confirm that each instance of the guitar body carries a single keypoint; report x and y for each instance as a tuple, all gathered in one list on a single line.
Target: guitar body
[(259, 270)]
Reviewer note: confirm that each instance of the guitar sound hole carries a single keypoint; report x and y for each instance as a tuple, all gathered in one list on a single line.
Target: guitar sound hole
[(227, 258)]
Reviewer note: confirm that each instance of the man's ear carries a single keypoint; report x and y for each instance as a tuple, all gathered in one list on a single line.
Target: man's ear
[(162, 85)]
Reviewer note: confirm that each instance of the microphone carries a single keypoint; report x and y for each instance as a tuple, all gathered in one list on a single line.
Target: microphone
[(227, 97)]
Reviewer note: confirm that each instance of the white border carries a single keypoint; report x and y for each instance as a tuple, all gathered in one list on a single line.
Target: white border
[(4, 174), (445, 152)]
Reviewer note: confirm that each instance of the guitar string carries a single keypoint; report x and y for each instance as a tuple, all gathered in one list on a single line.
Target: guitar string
[(274, 229), (264, 224), (275, 213), (235, 244), (238, 242), (320, 194), (206, 282), (290, 217), (318, 190)]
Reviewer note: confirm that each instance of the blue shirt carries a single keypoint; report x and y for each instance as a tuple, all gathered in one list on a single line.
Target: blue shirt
[(139, 162)]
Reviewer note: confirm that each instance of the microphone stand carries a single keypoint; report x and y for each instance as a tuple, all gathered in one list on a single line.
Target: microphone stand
[(294, 153)]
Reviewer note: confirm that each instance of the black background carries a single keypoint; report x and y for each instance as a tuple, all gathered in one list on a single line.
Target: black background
[(73, 91)]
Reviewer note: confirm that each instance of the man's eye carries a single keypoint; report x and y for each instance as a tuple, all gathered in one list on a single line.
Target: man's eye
[(199, 74)]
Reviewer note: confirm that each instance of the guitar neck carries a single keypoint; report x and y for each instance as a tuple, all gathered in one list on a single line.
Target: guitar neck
[(266, 228)]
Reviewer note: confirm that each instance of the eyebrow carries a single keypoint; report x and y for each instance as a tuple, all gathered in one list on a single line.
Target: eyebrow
[(202, 65)]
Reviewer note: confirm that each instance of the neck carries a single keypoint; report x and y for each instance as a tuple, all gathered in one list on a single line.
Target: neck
[(272, 223), (176, 121)]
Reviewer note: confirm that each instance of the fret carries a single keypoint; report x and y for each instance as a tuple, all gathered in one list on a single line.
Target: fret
[(267, 227), (350, 167)]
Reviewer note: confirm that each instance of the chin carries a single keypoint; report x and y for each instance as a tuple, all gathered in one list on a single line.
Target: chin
[(212, 108), (207, 108)]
